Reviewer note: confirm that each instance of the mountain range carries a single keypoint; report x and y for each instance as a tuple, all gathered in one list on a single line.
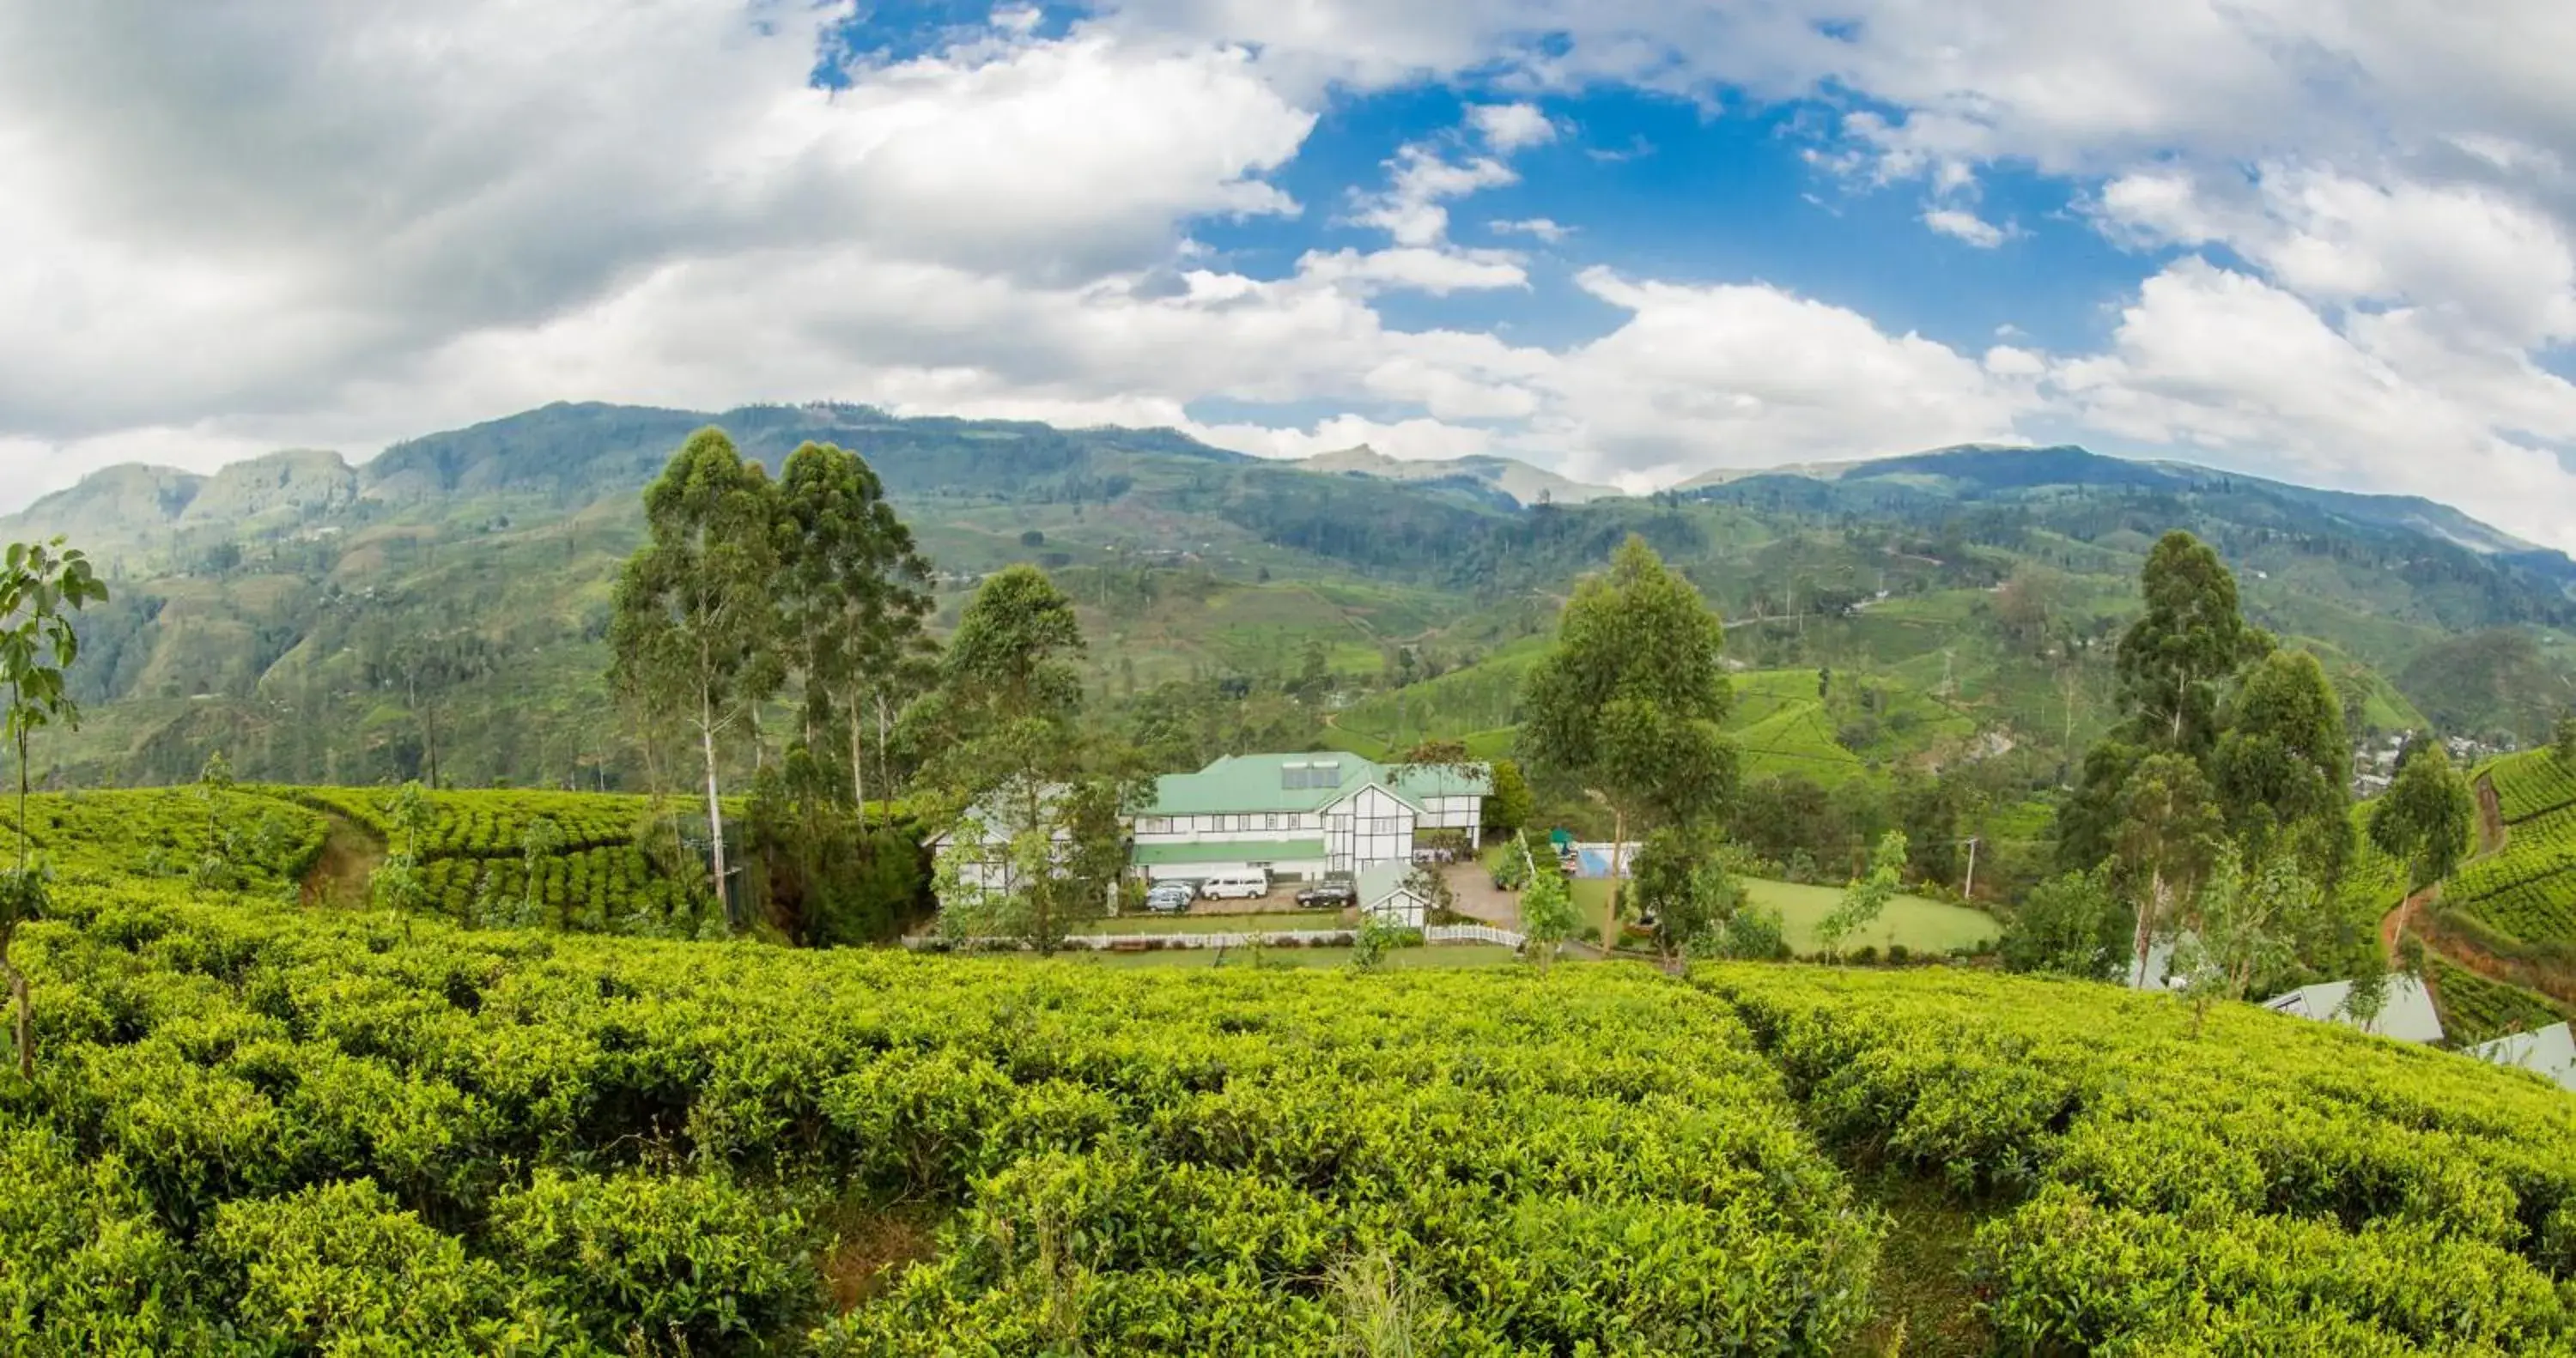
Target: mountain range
[(446, 601)]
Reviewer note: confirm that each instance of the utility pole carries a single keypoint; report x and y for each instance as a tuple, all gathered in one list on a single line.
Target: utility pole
[(1970, 891)]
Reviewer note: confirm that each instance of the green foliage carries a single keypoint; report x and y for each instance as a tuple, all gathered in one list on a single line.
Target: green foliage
[(2476, 1009), (330, 1137), (1682, 880), (2528, 892), (2427, 818), (1547, 916), (1510, 806), (696, 618), (2279, 769), (2190, 639), (2280, 1186), (2246, 926), (41, 586), (2073, 925), (1628, 704), (2532, 784), (1868, 895)]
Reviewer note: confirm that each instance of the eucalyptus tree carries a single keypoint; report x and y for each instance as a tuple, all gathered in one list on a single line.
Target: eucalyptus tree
[(855, 592), (41, 586), (2190, 640), (2426, 816), (1031, 805), (2169, 834), (696, 617), (2279, 767), (1627, 706)]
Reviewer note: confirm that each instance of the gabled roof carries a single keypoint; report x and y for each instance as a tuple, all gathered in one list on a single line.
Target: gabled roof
[(1378, 881), (2406, 1014), (2549, 1052), (1310, 781)]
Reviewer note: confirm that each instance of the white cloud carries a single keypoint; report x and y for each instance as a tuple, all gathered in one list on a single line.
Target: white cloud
[(1421, 179), (270, 222), (1543, 228), (1964, 225), (2219, 360), (1511, 127), (1413, 440), (1699, 377)]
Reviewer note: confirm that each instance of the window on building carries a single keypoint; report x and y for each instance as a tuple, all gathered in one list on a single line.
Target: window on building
[(1269, 822)]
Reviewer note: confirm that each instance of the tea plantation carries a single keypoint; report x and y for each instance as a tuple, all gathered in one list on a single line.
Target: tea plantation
[(262, 1130)]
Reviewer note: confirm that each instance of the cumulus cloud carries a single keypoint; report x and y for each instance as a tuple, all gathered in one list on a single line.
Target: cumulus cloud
[(1964, 225), (1511, 127), (1748, 375), (270, 222)]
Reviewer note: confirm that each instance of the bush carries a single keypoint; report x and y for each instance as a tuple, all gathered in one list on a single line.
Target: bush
[(693, 1261)]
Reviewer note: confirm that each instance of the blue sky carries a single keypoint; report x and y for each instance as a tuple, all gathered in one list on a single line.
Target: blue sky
[(2325, 240)]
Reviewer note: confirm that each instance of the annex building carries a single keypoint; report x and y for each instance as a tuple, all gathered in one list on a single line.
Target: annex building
[(1302, 816)]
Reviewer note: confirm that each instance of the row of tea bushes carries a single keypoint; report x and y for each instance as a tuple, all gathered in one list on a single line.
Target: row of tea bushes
[(2271, 1186), (167, 832), (261, 1131)]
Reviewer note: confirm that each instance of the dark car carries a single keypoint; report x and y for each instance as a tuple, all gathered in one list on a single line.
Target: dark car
[(1328, 895)]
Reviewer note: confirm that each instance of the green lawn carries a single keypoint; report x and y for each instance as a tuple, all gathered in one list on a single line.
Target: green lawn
[(1444, 957), (1272, 922), (1921, 925)]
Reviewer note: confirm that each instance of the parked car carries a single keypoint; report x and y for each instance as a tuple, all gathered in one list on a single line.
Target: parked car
[(1328, 896), (1236, 886), (1170, 898)]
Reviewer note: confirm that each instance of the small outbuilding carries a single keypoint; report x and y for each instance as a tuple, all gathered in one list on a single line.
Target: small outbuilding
[(1386, 892), (2548, 1052)]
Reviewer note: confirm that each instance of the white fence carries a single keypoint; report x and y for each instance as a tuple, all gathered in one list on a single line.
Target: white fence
[(1274, 938), (1470, 933)]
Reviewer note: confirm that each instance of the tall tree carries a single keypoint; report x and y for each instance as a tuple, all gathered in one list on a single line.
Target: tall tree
[(856, 593), (2169, 832), (695, 617), (1032, 807), (2190, 639), (1627, 706), (2279, 768), (41, 586), (2426, 817)]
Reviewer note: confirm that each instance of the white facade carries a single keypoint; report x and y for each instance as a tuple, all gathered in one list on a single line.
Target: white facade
[(1299, 816)]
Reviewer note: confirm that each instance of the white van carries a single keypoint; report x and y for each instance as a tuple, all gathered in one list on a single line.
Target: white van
[(1236, 886)]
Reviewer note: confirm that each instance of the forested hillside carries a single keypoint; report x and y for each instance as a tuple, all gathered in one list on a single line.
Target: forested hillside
[(441, 611)]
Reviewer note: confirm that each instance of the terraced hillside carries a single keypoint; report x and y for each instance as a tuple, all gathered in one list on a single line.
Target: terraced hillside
[(2523, 895)]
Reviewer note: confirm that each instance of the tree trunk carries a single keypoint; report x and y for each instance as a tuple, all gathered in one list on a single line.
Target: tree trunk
[(1618, 865), (858, 759), (2146, 926), (715, 807), (22, 1015)]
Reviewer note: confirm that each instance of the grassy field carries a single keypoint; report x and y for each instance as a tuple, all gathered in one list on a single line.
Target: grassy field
[(1920, 925)]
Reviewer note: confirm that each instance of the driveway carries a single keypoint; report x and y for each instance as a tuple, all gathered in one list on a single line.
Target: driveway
[(1471, 886)]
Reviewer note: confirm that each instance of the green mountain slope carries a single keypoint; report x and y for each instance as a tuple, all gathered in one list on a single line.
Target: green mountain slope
[(445, 603)]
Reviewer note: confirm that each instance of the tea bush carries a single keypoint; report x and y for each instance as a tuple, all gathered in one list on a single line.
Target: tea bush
[(2274, 1186), (166, 832), (263, 1131)]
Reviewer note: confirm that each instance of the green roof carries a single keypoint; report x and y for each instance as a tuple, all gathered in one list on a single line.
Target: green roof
[(1379, 880), (1230, 851), (1261, 782), (1302, 782)]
